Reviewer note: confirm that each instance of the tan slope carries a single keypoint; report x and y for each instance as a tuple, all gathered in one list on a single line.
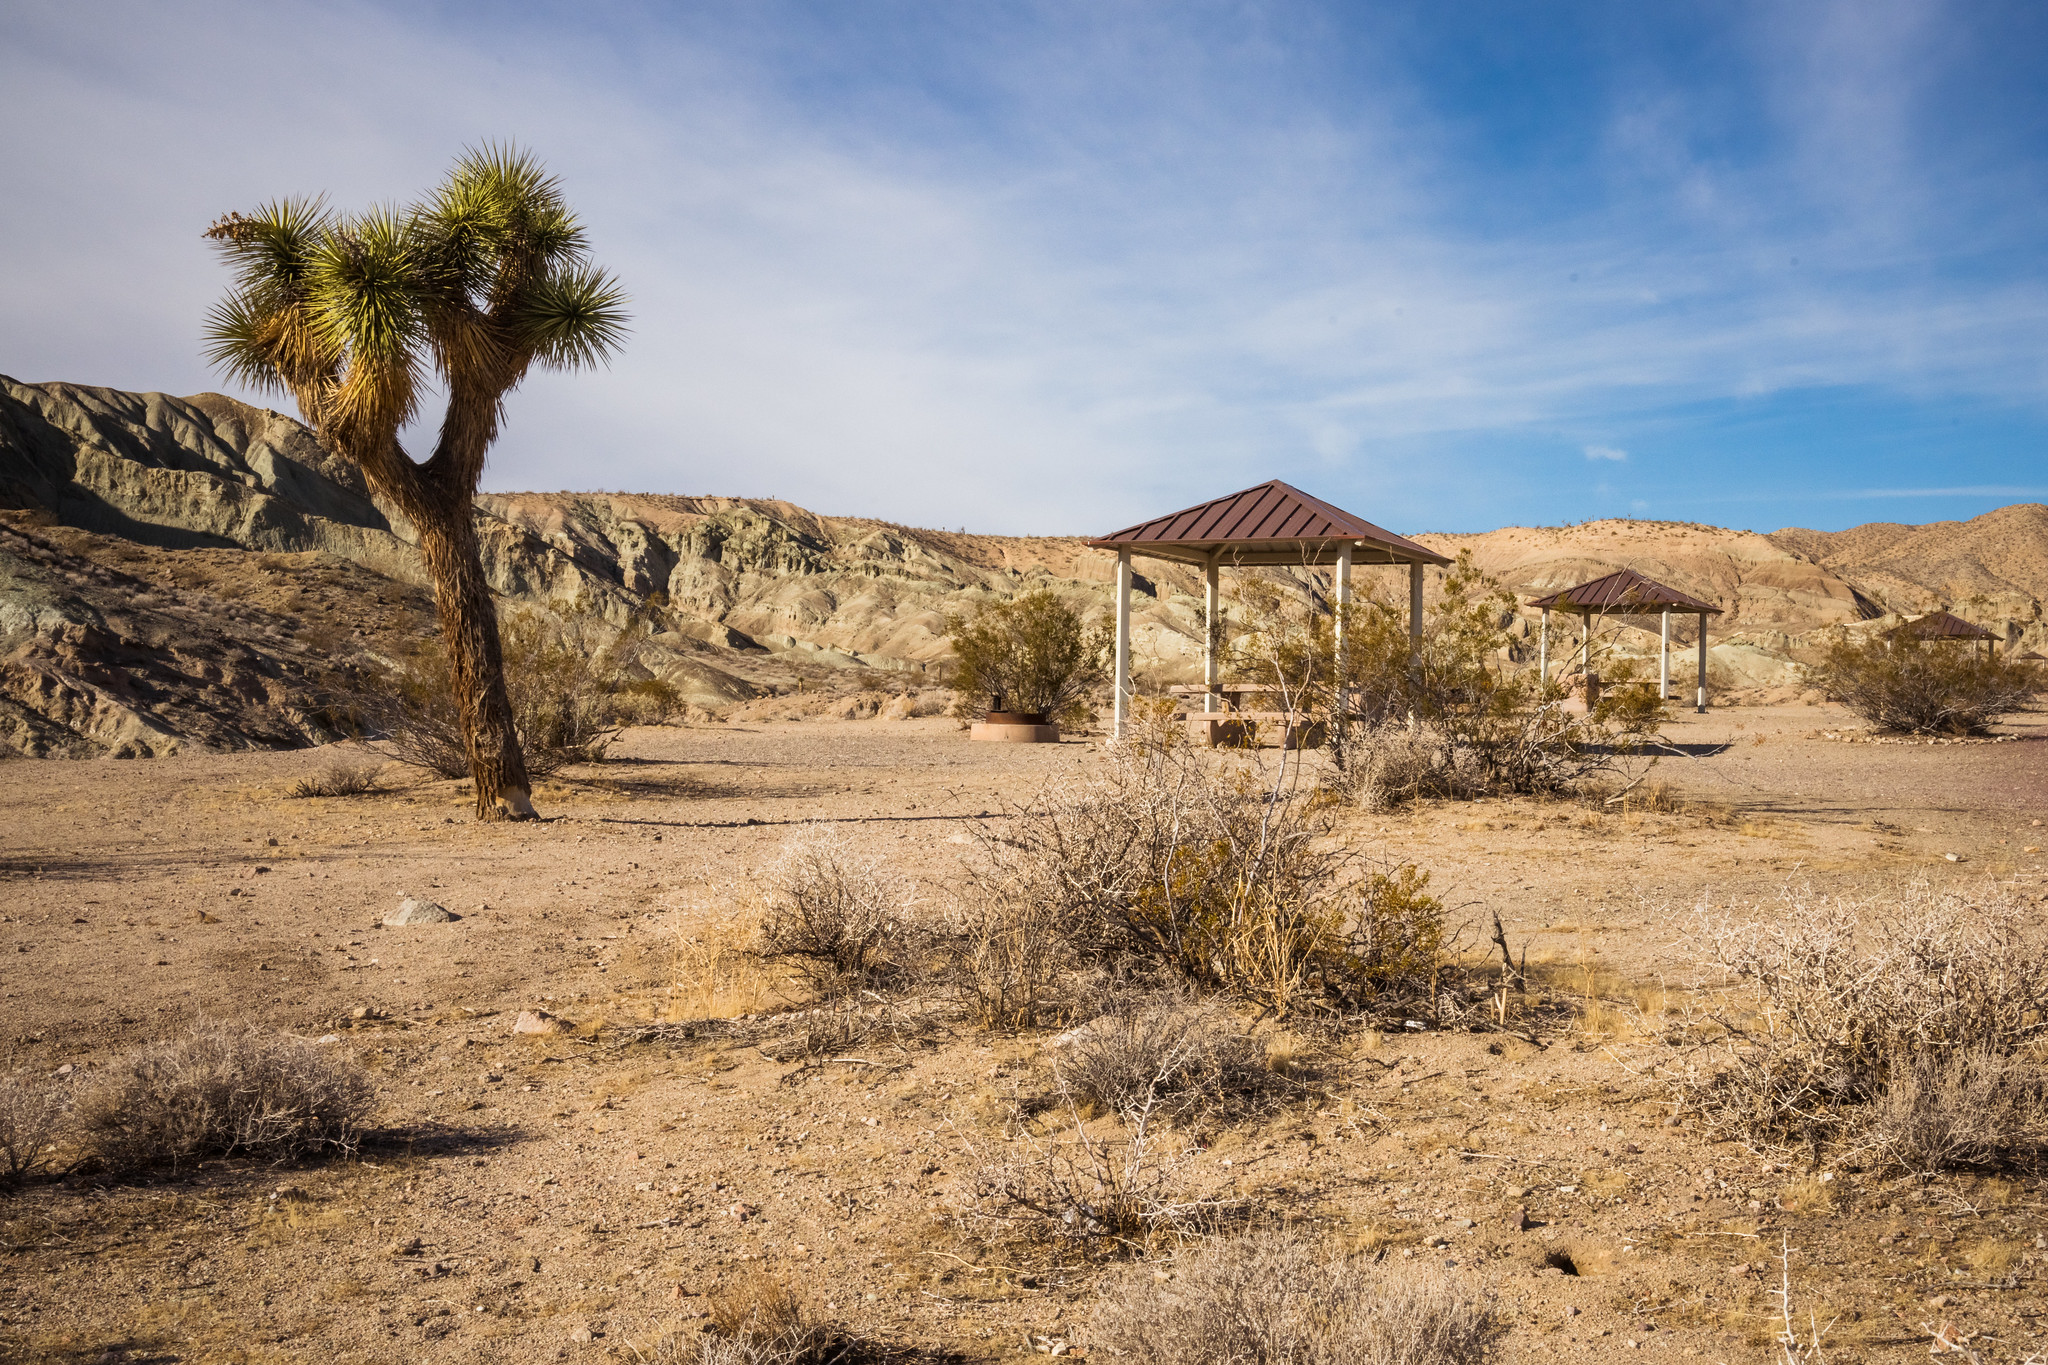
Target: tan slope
[(1760, 586), (1993, 566)]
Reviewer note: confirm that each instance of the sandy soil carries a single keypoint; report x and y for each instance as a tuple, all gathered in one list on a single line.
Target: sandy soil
[(524, 1194)]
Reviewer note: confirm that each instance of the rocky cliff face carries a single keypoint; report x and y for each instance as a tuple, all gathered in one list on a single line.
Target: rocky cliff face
[(209, 552)]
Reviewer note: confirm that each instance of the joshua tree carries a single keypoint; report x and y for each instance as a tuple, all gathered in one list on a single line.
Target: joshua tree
[(481, 281)]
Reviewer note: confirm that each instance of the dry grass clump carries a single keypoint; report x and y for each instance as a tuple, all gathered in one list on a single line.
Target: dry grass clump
[(339, 779), (1015, 948), (30, 1111), (1097, 1196), (1905, 1027), (1274, 1299), (222, 1090), (839, 916), (1395, 762), (1960, 1110), (1167, 1054), (758, 1322)]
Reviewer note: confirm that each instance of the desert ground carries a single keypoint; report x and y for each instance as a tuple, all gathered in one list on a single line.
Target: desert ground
[(579, 1195)]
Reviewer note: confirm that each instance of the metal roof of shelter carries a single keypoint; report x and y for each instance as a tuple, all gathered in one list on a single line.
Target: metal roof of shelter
[(1624, 591), (1939, 625), (1273, 523)]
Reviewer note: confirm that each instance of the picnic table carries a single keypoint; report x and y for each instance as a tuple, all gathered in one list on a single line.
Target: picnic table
[(1235, 724)]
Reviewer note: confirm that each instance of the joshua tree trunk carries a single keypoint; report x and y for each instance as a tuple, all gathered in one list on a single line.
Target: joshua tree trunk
[(476, 665)]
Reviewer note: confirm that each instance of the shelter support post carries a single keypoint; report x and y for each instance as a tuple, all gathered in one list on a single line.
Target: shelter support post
[(1585, 640), (1664, 662), (1414, 613), (1212, 639), (1123, 642), (1703, 664), (1543, 646), (1343, 621)]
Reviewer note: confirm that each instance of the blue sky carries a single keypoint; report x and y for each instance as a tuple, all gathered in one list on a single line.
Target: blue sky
[(1054, 267)]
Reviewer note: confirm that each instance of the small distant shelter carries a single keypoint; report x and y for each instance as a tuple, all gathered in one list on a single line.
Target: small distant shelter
[(1271, 525), (1625, 593), (1940, 625)]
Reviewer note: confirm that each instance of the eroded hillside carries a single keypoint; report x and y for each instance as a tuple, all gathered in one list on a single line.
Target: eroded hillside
[(173, 567)]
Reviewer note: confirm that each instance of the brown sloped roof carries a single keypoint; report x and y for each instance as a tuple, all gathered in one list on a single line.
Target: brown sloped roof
[(1939, 625), (1624, 590), (1274, 523)]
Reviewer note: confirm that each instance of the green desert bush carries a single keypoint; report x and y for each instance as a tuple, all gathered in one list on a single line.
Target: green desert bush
[(1276, 1299), (1035, 654), (1456, 718), (224, 1090), (1901, 682)]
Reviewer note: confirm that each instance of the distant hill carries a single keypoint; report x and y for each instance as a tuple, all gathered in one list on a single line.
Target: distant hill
[(173, 570)]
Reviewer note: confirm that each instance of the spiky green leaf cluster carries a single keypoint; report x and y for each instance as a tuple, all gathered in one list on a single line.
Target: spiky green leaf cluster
[(484, 278)]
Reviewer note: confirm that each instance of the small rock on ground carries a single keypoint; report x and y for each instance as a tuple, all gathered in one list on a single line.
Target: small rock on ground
[(412, 911)]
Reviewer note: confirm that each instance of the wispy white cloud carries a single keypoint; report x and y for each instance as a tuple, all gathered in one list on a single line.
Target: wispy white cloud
[(1132, 264)]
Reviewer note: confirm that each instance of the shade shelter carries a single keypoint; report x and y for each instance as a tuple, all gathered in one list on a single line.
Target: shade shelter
[(1274, 525), (1940, 625), (1630, 594)]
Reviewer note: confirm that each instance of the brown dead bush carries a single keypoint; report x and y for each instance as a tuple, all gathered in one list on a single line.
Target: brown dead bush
[(30, 1110), (1275, 1299), (338, 779), (1845, 1022), (837, 915), (225, 1090), (1171, 1054), (1099, 1196), (1961, 1111)]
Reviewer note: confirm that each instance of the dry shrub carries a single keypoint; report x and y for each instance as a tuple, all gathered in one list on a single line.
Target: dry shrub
[(1274, 1299), (1860, 1021), (223, 1090), (837, 915), (30, 1110), (1217, 869), (758, 1322), (1962, 1110), (1901, 682), (339, 779), (1094, 1196), (762, 1322), (1391, 763), (1013, 952), (1169, 1054), (564, 693)]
